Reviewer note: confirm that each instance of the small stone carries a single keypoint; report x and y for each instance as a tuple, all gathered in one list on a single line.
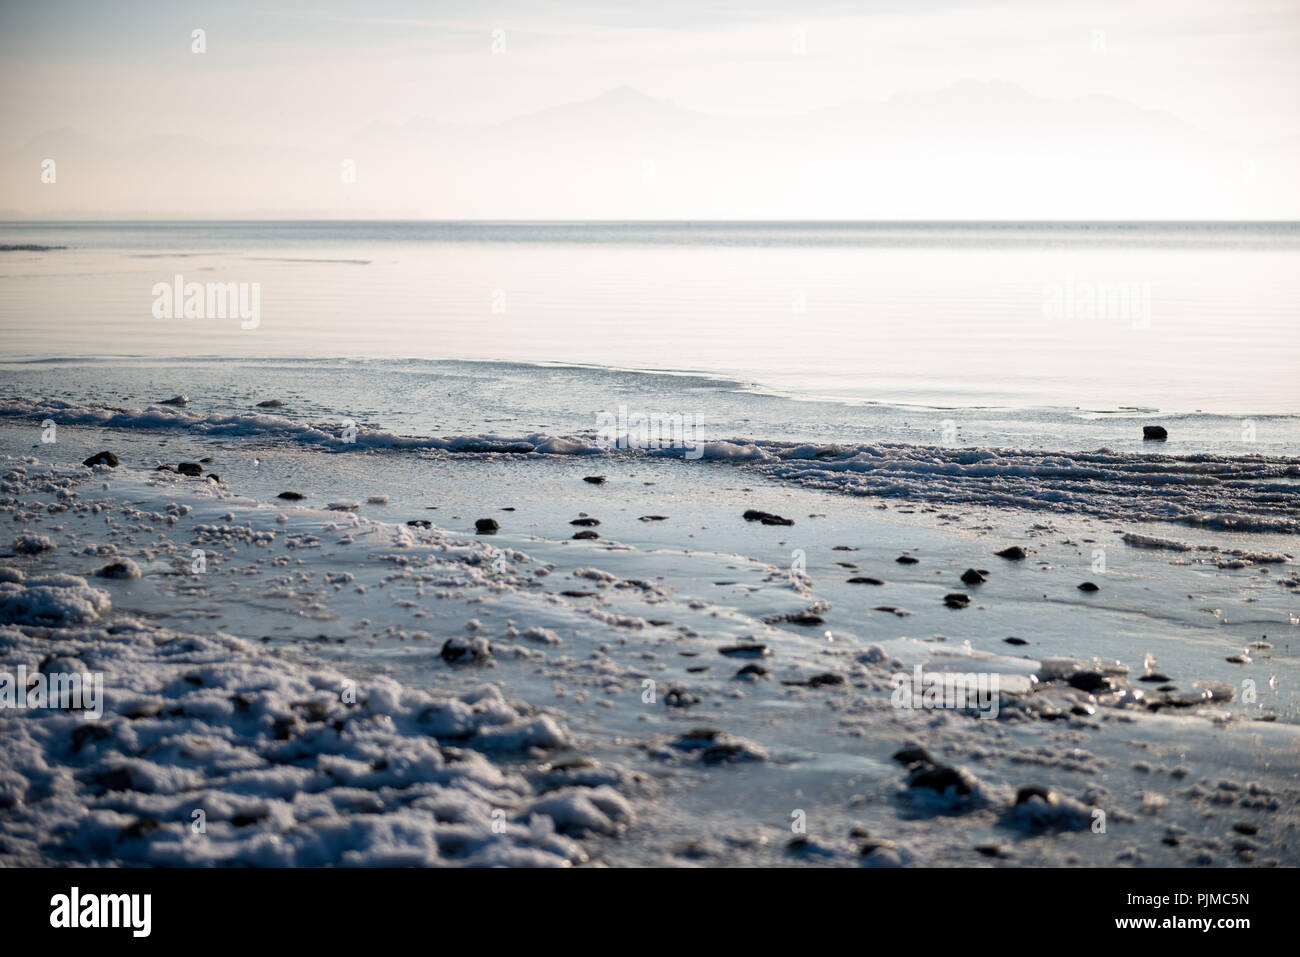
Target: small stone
[(1089, 586), (745, 651), (1154, 433), (906, 560), (595, 479), (193, 469), (972, 577), (864, 580), (588, 534), (956, 600), (102, 458), (1015, 553), (1047, 795), (292, 496), (913, 755), (1089, 681), (124, 569), (680, 698), (486, 526), (823, 680), (459, 651), (585, 521), (766, 518), (940, 778)]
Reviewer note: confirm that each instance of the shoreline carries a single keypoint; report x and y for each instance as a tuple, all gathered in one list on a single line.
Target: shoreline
[(576, 628)]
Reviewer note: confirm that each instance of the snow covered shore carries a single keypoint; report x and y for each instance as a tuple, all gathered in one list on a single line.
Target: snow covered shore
[(372, 684)]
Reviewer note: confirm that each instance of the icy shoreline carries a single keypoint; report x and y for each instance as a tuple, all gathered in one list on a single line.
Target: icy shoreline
[(710, 771), (1238, 493)]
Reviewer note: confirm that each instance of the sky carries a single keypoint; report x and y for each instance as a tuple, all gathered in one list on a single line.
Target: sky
[(298, 88)]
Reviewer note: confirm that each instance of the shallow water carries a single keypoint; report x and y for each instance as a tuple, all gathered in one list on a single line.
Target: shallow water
[(1173, 317)]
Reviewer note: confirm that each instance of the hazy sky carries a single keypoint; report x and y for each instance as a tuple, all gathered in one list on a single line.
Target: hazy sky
[(307, 75)]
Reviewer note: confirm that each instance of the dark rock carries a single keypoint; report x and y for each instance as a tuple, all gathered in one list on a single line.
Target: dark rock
[(1154, 433), (176, 400), (292, 496), (913, 755), (745, 651), (727, 752), (190, 468), (588, 534), (680, 698), (906, 560), (751, 670), (1047, 795), (1155, 678), (419, 523), (696, 738), (1089, 681), (767, 518), (486, 526), (799, 618), (1089, 586), (595, 479), (941, 778), (1015, 641), (459, 651), (956, 600), (972, 577), (585, 521), (121, 569), (102, 458), (654, 518), (864, 580), (1015, 553), (823, 680), (870, 847), (213, 477), (270, 404)]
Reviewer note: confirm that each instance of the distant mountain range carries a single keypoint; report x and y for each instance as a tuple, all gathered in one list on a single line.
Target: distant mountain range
[(983, 150)]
